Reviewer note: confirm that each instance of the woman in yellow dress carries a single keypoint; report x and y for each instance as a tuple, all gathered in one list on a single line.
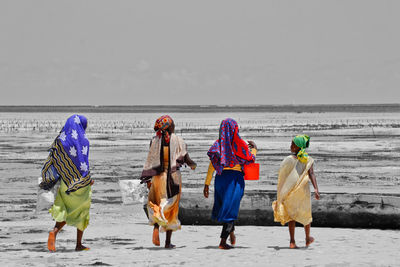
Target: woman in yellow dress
[(161, 173), (293, 202), (68, 164)]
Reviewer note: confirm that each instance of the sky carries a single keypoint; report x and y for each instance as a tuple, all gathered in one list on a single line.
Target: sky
[(224, 52)]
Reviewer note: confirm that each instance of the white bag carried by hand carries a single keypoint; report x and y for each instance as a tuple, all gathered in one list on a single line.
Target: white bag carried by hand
[(133, 192), (45, 198)]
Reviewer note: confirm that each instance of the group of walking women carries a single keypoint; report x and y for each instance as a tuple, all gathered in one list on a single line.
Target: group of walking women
[(68, 164)]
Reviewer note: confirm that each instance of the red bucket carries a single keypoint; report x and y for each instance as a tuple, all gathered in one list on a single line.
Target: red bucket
[(252, 171)]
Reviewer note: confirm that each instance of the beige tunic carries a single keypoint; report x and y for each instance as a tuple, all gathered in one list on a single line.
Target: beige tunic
[(293, 195)]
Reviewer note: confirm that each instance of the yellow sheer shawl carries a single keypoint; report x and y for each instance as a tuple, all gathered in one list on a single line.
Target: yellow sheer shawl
[(293, 195)]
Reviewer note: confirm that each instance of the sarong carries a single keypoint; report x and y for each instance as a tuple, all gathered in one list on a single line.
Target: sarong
[(229, 189), (73, 208)]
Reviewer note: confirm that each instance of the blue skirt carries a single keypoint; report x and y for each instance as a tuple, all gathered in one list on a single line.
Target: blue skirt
[(229, 189)]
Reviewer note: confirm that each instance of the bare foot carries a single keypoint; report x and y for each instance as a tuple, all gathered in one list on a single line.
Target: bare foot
[(224, 246), (51, 241), (232, 238), (156, 237), (81, 248), (170, 246), (293, 245), (309, 241)]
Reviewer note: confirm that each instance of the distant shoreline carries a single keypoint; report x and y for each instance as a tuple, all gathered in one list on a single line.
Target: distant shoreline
[(356, 108)]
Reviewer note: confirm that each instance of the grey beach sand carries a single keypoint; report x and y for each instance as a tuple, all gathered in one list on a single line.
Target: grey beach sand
[(118, 235)]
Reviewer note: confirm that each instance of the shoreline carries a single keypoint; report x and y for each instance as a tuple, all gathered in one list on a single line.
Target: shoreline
[(310, 108)]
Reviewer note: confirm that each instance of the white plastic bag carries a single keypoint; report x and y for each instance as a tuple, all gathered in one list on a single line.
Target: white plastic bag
[(133, 192), (45, 198)]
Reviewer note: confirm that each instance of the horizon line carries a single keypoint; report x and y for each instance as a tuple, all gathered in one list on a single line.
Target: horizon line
[(291, 108), (206, 105)]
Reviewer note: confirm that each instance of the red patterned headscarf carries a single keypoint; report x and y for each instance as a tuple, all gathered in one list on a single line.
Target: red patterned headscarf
[(230, 149), (162, 125)]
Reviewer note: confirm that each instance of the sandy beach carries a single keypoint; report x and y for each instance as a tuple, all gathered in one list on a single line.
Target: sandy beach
[(120, 236)]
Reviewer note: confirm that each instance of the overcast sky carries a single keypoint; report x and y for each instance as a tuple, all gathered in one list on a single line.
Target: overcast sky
[(199, 52)]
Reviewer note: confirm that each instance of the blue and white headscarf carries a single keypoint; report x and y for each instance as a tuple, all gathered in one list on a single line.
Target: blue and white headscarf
[(69, 156), (75, 143)]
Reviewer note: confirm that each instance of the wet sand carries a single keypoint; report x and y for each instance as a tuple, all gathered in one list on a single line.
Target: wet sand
[(119, 236)]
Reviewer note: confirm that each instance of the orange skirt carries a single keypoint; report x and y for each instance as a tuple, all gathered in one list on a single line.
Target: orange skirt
[(161, 209)]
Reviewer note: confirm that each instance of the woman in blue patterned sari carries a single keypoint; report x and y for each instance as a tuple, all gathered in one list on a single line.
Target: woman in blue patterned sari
[(68, 163)]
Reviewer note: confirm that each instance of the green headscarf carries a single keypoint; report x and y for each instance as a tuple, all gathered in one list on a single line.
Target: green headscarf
[(302, 141)]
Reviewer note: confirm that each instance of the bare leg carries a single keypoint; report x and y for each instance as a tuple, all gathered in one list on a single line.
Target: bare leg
[(233, 238), (51, 242), (292, 226), (58, 227), (79, 246), (309, 239), (227, 229), (168, 240), (156, 235)]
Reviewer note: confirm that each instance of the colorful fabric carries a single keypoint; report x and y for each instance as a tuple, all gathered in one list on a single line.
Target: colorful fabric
[(228, 192), (237, 167), (162, 209), (293, 194), (72, 208), (229, 150), (162, 125), (155, 164), (69, 156), (302, 141)]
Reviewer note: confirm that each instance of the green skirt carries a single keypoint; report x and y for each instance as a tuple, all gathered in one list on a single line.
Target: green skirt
[(73, 208)]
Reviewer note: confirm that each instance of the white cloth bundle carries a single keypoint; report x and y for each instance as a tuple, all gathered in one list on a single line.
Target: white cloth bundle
[(45, 198), (133, 192)]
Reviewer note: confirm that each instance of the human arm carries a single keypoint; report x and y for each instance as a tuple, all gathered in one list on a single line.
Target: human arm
[(210, 173), (313, 179), (252, 147), (190, 162)]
